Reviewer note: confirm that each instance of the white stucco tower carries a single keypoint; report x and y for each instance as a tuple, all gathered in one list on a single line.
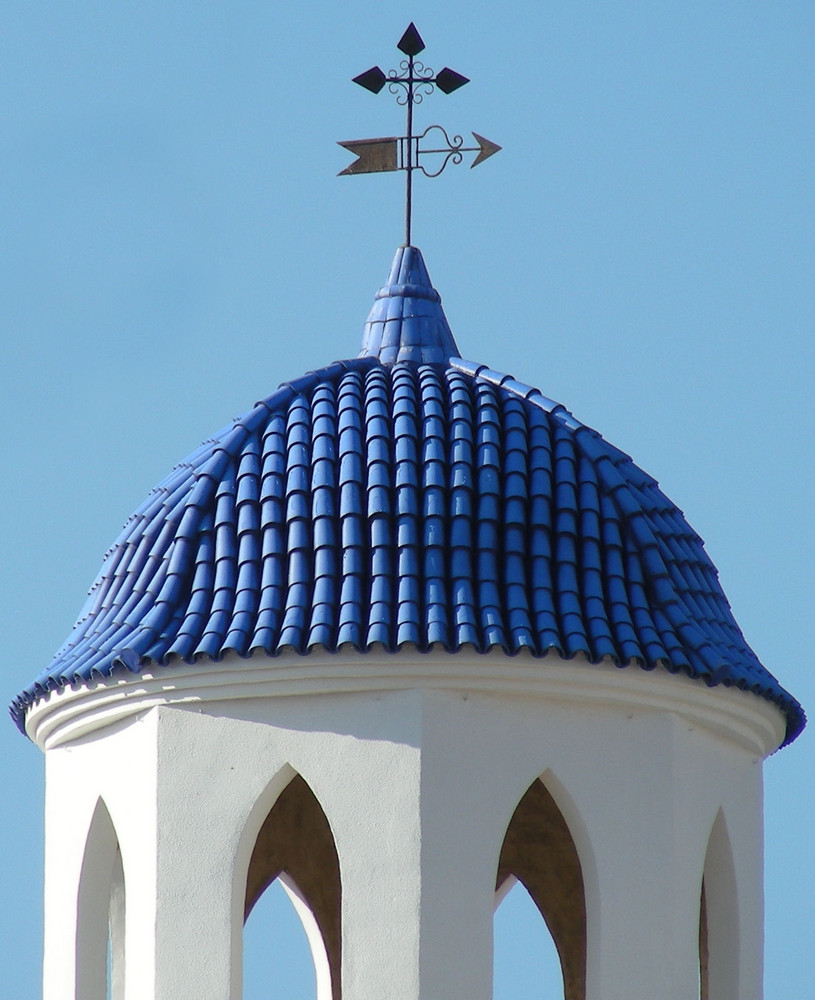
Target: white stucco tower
[(405, 631)]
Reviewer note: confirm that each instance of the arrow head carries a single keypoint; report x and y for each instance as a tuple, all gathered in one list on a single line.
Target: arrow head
[(486, 148)]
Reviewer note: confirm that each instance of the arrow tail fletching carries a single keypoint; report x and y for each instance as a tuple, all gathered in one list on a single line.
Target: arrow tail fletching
[(373, 156)]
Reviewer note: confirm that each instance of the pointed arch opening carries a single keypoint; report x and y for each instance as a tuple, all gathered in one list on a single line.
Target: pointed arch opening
[(101, 912), (719, 919), (295, 847), (539, 852), (526, 965)]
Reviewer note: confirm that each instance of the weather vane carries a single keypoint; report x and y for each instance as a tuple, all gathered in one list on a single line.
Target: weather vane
[(410, 83)]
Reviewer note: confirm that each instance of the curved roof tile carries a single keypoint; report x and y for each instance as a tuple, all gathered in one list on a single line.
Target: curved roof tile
[(409, 498)]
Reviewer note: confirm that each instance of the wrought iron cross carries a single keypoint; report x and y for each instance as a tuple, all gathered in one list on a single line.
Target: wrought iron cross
[(410, 83)]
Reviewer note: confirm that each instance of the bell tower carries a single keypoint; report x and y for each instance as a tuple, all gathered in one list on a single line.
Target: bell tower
[(406, 632), (403, 633)]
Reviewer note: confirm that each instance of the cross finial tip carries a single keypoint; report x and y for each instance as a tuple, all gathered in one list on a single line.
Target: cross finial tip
[(411, 42)]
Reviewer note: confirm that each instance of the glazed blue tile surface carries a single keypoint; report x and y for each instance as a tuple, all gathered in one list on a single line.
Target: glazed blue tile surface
[(409, 498)]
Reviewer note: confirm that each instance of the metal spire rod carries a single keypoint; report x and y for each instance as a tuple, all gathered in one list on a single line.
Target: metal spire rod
[(404, 152), (409, 168)]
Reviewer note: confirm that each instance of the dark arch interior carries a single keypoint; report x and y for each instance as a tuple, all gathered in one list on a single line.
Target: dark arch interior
[(539, 851), (296, 839)]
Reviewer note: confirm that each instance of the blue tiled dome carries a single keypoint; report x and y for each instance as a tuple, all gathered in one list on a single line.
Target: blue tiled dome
[(409, 499)]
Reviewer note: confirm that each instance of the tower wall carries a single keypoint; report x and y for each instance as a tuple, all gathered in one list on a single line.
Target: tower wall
[(418, 779)]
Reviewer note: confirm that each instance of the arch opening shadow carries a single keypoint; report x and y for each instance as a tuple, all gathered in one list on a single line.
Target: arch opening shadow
[(295, 845), (539, 852)]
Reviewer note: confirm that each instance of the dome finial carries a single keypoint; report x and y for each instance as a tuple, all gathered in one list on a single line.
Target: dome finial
[(407, 322)]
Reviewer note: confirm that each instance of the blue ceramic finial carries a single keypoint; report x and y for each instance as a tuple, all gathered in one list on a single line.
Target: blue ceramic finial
[(407, 322)]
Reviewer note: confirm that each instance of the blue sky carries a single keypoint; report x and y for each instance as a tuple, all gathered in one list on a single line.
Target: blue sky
[(176, 243)]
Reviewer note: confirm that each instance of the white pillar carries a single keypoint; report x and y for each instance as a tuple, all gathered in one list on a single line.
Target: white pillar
[(734, 880), (65, 844), (458, 858), (99, 792)]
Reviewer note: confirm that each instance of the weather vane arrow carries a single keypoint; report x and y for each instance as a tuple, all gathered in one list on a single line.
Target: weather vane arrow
[(407, 152), (379, 155)]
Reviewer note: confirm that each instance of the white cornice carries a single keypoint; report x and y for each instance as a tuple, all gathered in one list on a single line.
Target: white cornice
[(78, 711)]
